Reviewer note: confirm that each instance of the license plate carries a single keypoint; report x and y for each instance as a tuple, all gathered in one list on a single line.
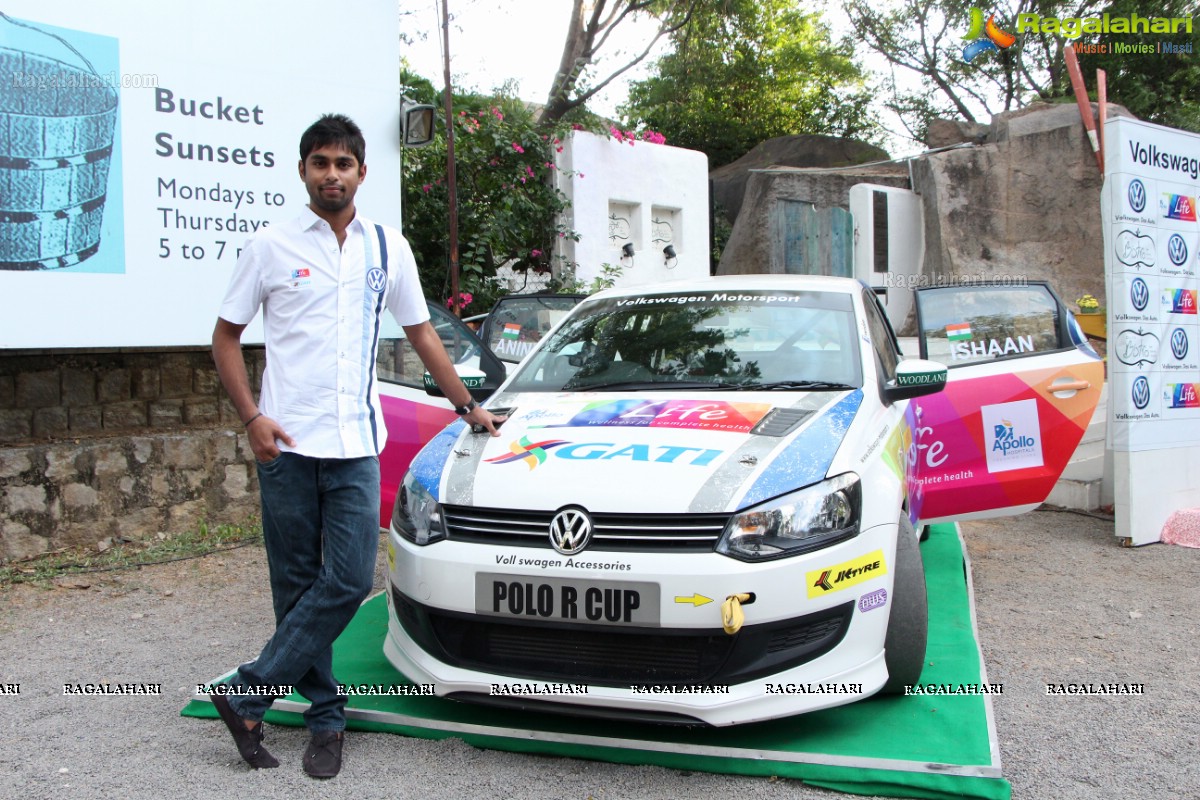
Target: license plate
[(567, 600)]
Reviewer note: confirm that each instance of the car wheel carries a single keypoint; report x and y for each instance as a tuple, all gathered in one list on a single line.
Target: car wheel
[(925, 529), (908, 623)]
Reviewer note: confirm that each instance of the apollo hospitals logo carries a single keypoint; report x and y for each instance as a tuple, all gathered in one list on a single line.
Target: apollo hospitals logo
[(1006, 438), (984, 36), (1013, 435)]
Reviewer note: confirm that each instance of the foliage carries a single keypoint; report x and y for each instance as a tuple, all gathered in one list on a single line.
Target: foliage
[(1162, 88), (592, 25), (508, 202), (927, 38), (607, 279), (744, 71)]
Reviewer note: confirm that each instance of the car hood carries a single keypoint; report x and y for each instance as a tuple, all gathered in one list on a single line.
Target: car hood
[(640, 453)]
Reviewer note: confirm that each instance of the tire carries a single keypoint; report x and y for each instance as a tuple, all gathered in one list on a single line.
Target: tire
[(924, 532), (908, 620)]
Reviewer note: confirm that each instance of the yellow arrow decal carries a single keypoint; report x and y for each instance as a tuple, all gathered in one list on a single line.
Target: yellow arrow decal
[(695, 599)]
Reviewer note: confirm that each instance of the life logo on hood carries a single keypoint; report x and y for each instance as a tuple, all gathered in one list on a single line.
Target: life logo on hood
[(536, 453), (716, 415)]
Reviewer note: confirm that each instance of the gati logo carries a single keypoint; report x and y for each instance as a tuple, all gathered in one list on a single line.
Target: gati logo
[(534, 454), (1140, 393), (1139, 294), (1178, 206), (1177, 250), (1179, 301), (1179, 344), (984, 36), (1136, 196)]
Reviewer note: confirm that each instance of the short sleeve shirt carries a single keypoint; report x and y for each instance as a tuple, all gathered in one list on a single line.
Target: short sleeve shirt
[(321, 309)]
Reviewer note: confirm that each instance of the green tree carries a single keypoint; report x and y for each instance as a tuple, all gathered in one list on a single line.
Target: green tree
[(508, 202), (744, 71), (926, 39), (1160, 87)]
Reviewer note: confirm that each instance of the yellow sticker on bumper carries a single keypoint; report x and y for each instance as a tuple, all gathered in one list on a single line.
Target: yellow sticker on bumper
[(832, 579)]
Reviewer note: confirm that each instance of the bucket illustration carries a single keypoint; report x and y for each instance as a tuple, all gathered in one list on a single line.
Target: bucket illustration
[(56, 137)]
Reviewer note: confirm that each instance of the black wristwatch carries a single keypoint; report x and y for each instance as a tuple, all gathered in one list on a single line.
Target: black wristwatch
[(462, 411)]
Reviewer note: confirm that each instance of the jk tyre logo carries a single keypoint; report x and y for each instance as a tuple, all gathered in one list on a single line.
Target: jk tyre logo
[(849, 573), (1177, 250), (1141, 392), (376, 279), (1137, 196), (1139, 294)]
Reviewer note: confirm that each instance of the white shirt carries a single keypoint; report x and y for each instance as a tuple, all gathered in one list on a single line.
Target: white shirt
[(321, 313)]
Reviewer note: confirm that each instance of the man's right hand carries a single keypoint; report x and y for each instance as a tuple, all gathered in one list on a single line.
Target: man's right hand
[(264, 432)]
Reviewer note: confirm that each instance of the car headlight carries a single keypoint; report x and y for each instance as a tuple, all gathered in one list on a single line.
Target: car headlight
[(795, 523), (417, 516)]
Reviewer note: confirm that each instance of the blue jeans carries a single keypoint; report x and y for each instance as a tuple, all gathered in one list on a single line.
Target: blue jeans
[(321, 530)]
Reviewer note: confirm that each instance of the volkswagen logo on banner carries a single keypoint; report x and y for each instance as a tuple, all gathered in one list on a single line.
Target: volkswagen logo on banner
[(376, 279), (570, 531), (1137, 196), (1179, 344), (1139, 294), (1177, 250), (1141, 392)]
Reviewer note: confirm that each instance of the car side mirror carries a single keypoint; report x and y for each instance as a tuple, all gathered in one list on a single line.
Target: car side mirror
[(915, 377)]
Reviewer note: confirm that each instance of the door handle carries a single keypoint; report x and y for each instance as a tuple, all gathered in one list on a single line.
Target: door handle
[(1070, 386)]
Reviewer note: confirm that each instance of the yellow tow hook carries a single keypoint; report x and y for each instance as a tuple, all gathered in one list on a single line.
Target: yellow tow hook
[(732, 616)]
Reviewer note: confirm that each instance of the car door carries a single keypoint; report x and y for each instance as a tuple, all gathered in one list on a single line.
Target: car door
[(1022, 386), (519, 321), (413, 416)]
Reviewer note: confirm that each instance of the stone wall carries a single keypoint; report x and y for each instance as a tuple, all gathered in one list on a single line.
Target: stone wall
[(106, 445)]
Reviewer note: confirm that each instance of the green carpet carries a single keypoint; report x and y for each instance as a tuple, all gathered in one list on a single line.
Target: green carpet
[(930, 746)]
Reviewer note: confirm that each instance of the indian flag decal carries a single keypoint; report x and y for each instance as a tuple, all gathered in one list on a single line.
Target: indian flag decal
[(958, 331), (511, 331)]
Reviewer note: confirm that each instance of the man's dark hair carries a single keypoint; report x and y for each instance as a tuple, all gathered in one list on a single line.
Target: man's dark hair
[(337, 130)]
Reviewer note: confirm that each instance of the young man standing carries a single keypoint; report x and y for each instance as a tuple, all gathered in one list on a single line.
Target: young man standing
[(322, 281)]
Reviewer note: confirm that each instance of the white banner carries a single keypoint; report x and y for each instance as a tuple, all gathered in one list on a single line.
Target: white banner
[(1152, 259), (141, 144)]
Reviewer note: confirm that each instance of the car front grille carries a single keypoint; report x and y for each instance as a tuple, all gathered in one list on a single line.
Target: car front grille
[(620, 657), (691, 533)]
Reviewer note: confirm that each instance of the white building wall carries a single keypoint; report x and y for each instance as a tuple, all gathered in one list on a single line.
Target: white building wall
[(649, 195)]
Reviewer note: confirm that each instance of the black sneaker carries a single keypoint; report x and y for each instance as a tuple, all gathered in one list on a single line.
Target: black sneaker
[(248, 740), (323, 756)]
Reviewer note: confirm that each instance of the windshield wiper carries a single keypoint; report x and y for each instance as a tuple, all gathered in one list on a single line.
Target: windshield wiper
[(815, 386)]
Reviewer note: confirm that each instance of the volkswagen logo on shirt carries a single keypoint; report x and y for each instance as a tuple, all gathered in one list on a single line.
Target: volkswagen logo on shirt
[(1177, 250), (570, 531), (1137, 196), (1139, 294), (1179, 344), (1141, 392), (376, 279)]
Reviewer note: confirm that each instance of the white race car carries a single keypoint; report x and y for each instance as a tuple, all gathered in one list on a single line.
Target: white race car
[(704, 505)]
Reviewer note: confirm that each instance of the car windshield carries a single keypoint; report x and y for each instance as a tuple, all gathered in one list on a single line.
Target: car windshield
[(708, 340)]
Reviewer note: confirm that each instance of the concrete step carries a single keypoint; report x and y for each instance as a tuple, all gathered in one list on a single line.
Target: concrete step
[(1089, 468), (1082, 495)]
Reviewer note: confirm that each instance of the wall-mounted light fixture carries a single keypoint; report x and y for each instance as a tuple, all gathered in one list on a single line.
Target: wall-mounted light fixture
[(669, 256), (416, 123), (627, 250)]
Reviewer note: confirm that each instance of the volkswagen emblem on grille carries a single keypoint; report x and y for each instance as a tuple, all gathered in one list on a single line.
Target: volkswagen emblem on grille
[(570, 531)]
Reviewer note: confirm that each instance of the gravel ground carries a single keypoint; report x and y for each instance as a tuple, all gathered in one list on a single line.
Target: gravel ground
[(1058, 602)]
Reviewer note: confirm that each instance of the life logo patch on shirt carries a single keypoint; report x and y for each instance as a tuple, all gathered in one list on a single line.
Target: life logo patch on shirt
[(301, 277), (376, 279)]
